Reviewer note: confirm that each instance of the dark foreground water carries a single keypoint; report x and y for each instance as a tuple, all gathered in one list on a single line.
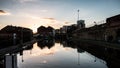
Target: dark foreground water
[(58, 56)]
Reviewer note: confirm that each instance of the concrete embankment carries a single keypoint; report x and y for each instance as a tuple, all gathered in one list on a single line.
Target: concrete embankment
[(16, 48)]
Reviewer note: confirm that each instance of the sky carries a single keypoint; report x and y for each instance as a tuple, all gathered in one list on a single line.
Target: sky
[(55, 13)]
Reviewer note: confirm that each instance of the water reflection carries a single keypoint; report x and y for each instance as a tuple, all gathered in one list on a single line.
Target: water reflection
[(8, 59), (59, 55), (64, 53), (109, 56), (46, 43)]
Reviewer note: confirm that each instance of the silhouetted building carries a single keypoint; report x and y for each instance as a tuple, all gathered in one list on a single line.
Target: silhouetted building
[(113, 28), (46, 32), (71, 28), (81, 24), (95, 33), (63, 30), (20, 33), (109, 31), (57, 31)]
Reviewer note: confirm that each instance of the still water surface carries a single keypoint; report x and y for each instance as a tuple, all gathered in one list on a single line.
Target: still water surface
[(58, 56)]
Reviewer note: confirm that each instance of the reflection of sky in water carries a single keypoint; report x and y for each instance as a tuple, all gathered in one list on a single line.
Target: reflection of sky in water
[(58, 57)]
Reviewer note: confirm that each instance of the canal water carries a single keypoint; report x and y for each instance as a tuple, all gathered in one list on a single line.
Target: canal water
[(57, 55)]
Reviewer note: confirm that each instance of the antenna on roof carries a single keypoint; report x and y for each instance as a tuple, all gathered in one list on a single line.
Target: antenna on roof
[(78, 13)]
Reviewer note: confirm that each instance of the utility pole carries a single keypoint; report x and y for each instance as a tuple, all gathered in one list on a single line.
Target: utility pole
[(78, 14)]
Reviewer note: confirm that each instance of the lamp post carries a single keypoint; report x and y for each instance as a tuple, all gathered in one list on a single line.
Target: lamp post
[(14, 38)]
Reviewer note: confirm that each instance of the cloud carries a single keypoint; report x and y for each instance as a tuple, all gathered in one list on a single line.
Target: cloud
[(53, 22), (2, 12), (36, 21), (23, 1), (49, 19), (66, 22)]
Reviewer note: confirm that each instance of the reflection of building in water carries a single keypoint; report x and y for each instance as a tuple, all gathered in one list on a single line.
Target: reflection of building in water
[(21, 54), (11, 61), (9, 57), (2, 62), (79, 50), (64, 43), (26, 48), (108, 56), (46, 43), (67, 43)]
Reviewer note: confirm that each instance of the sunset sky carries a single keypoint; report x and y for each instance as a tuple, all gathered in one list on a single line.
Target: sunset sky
[(55, 13)]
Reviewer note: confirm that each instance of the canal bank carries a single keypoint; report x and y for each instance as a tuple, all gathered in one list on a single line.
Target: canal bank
[(96, 43), (15, 48)]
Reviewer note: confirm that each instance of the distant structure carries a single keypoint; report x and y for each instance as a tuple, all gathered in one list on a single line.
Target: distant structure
[(64, 29), (109, 31), (68, 30), (80, 23)]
